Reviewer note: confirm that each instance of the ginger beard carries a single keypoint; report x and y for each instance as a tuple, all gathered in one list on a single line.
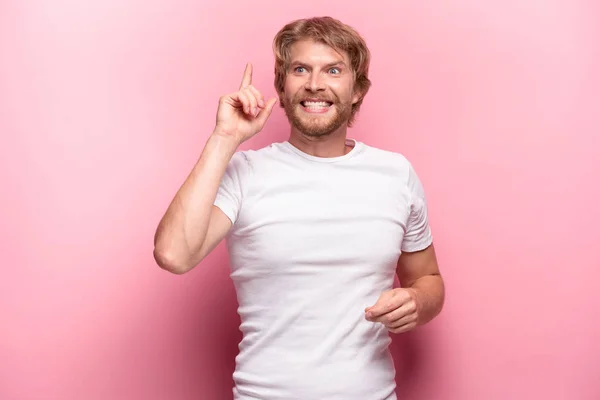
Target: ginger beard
[(320, 123)]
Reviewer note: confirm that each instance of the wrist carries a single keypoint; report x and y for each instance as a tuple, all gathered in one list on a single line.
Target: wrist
[(225, 139)]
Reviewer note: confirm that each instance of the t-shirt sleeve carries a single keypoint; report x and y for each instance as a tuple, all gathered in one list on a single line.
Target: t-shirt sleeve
[(230, 192), (418, 234)]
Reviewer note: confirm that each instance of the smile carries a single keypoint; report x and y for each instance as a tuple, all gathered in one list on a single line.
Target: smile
[(317, 107)]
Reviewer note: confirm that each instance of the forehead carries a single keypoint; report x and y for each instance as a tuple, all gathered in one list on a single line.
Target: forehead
[(312, 52)]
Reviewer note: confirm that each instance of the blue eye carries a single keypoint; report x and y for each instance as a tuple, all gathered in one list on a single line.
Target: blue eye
[(335, 69), (297, 69)]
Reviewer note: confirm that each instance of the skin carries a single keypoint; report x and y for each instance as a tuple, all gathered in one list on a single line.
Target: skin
[(192, 226), (420, 297), (318, 71)]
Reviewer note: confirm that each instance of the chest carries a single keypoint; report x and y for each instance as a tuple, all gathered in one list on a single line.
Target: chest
[(312, 220)]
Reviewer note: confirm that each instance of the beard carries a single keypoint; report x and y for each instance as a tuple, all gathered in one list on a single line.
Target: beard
[(317, 125)]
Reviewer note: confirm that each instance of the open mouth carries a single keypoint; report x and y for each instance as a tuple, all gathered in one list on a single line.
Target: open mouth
[(316, 106)]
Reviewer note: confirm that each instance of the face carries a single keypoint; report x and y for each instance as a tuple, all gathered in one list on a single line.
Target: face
[(318, 91)]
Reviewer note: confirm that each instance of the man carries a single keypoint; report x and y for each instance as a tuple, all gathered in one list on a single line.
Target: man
[(317, 226)]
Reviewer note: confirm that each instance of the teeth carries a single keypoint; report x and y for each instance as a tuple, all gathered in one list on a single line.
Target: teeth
[(316, 104)]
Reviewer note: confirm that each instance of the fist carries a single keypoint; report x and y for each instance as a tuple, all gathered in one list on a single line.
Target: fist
[(397, 309)]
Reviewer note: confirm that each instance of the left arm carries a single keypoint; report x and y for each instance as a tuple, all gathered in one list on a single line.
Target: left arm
[(419, 273), (420, 297)]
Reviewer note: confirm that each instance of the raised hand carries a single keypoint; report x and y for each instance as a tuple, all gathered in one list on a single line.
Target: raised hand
[(244, 113)]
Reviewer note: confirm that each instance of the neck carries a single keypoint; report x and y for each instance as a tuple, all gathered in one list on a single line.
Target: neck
[(330, 145)]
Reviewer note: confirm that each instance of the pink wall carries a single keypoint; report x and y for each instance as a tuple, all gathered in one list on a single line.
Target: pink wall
[(105, 106)]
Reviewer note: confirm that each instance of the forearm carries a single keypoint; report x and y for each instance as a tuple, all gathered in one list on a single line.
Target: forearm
[(182, 230), (429, 295)]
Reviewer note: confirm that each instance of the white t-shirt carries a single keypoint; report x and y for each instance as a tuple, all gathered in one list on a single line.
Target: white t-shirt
[(314, 242)]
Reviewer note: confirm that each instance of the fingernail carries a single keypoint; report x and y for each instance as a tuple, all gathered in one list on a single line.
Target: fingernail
[(255, 111), (261, 103)]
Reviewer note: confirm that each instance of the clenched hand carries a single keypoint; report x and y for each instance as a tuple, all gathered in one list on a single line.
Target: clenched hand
[(397, 309)]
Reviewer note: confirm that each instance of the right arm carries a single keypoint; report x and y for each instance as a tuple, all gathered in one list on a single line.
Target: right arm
[(192, 226)]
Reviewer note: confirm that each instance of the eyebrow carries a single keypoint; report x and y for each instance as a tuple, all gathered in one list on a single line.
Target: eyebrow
[(329, 65)]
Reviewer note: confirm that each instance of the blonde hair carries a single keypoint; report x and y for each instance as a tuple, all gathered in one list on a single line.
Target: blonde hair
[(333, 33)]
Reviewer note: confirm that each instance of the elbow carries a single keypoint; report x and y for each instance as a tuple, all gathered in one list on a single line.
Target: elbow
[(169, 263)]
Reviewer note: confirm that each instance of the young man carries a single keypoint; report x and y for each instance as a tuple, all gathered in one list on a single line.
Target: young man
[(316, 228)]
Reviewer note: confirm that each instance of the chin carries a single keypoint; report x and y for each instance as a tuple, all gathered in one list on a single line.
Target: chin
[(316, 126)]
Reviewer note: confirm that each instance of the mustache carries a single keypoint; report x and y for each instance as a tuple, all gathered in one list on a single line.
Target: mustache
[(298, 99)]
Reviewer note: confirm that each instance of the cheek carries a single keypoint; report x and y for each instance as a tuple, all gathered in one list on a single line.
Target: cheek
[(291, 87), (343, 90)]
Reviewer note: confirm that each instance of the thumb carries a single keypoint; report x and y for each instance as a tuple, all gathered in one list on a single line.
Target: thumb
[(266, 112), (381, 305)]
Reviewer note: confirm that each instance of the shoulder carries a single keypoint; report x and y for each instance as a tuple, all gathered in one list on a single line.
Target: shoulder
[(247, 161), (401, 167), (270, 150), (391, 159)]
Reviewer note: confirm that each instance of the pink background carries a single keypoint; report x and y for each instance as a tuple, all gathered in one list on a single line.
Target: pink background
[(105, 106)]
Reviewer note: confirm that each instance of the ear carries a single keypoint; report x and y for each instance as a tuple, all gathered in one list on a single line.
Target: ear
[(356, 97)]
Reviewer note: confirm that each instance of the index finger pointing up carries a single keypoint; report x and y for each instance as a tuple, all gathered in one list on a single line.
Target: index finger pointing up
[(247, 79)]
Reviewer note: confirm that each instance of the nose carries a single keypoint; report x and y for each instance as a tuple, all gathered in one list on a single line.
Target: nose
[(314, 83)]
